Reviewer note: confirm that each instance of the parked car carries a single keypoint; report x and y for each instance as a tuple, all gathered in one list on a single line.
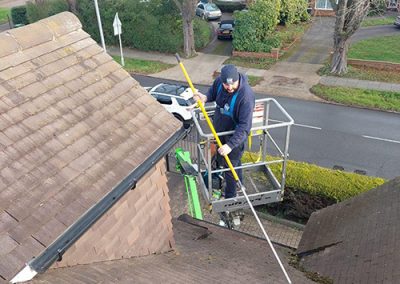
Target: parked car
[(397, 22), (225, 29), (208, 11), (177, 99)]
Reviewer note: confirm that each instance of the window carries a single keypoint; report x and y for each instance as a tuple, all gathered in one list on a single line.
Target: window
[(166, 100), (183, 102), (323, 4)]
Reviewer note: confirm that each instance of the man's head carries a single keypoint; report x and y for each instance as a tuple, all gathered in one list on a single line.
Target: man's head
[(230, 78)]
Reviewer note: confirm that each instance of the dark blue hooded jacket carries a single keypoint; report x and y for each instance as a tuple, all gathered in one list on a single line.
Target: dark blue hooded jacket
[(242, 113)]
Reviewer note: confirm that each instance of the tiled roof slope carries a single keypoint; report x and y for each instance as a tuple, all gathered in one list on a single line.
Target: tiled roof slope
[(356, 241), (205, 253), (73, 124)]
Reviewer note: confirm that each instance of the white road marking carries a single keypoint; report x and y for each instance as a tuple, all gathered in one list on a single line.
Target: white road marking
[(381, 139)]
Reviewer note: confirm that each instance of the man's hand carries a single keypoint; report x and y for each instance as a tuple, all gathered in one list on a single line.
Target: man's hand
[(224, 150), (200, 97)]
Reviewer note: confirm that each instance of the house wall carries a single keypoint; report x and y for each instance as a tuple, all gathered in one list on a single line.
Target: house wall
[(138, 224), (318, 12)]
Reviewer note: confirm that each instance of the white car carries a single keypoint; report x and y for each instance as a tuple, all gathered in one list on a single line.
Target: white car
[(177, 99)]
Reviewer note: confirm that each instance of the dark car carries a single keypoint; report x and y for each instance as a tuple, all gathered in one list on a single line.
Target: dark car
[(225, 29)]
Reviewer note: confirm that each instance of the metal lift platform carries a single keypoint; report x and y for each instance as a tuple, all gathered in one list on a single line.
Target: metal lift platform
[(269, 118)]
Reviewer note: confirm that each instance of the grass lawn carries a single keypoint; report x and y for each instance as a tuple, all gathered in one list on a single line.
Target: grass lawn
[(365, 74), (3, 15), (254, 80), (378, 21), (143, 66), (383, 100), (384, 48), (251, 62)]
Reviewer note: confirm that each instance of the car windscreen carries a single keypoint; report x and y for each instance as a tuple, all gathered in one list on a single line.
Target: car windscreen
[(175, 90), (226, 26), (212, 7)]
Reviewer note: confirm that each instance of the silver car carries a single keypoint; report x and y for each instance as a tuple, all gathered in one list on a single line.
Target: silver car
[(397, 22), (208, 11)]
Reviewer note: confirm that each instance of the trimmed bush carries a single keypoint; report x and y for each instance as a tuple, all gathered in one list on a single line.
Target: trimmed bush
[(47, 8), (254, 30), (315, 180), (293, 11), (18, 15)]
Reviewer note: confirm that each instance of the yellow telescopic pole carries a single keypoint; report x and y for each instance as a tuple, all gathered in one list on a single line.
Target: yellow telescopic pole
[(203, 110)]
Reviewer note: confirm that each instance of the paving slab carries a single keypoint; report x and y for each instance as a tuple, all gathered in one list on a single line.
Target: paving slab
[(290, 79)]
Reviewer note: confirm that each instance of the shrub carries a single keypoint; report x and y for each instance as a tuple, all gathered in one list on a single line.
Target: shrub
[(153, 26), (202, 32), (47, 8), (377, 8), (18, 15), (315, 180), (254, 28), (293, 11)]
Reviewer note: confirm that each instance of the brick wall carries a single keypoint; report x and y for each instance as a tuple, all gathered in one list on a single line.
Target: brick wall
[(138, 224)]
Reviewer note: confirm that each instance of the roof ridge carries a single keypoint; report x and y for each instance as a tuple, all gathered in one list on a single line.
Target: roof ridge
[(38, 33)]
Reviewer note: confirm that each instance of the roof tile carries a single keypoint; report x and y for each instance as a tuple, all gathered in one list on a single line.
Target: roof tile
[(8, 46), (66, 85), (47, 232), (7, 244), (6, 221)]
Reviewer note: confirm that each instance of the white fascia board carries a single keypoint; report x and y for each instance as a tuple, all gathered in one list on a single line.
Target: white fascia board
[(24, 275)]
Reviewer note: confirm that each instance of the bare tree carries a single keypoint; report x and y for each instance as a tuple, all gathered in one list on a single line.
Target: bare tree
[(349, 15), (187, 8)]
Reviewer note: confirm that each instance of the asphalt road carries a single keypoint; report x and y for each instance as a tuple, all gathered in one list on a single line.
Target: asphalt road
[(330, 135)]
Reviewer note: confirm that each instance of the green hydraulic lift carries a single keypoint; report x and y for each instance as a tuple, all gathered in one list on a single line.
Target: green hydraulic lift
[(185, 167)]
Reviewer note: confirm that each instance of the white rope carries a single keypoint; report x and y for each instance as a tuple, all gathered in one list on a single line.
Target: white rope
[(264, 232)]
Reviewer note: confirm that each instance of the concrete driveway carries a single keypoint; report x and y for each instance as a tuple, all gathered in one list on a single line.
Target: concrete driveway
[(216, 46), (316, 43)]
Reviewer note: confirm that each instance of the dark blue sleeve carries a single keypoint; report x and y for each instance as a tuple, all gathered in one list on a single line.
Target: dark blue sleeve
[(212, 92), (244, 120)]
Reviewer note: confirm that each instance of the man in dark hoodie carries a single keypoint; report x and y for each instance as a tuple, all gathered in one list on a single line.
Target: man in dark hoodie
[(235, 104)]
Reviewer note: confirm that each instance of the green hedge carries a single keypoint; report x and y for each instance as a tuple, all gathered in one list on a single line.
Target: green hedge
[(315, 180), (47, 8), (256, 29), (149, 26), (18, 15)]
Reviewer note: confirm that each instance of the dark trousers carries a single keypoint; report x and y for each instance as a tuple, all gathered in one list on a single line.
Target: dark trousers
[(235, 156)]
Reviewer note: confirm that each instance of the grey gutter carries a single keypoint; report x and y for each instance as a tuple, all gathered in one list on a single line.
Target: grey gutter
[(56, 250)]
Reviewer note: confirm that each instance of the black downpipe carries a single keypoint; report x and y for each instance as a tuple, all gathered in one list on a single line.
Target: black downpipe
[(56, 250)]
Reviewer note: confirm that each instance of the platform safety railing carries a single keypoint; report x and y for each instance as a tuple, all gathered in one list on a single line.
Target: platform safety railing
[(268, 115)]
